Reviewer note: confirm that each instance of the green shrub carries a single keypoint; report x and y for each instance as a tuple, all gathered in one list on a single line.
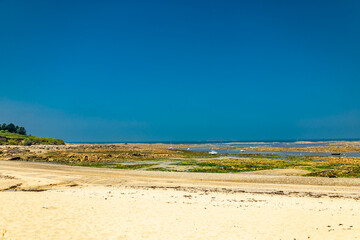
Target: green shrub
[(12, 142), (27, 142)]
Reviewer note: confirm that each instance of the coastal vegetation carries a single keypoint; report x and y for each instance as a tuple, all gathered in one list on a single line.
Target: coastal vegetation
[(315, 166), (9, 138), (12, 128)]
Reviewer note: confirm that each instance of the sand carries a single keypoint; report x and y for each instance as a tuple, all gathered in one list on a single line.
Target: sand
[(49, 201)]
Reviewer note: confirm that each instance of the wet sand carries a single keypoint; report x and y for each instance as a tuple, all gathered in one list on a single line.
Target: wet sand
[(49, 201)]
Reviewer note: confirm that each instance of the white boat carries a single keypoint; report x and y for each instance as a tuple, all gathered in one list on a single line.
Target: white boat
[(212, 152)]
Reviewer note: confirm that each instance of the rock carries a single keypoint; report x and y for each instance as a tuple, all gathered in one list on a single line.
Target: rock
[(137, 154)]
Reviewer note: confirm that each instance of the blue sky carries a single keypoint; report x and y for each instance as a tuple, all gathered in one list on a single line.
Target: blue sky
[(181, 70)]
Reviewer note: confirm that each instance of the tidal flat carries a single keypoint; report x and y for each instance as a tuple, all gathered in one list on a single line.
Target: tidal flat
[(182, 158)]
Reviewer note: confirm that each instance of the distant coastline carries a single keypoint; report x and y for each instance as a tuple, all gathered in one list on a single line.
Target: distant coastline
[(218, 141)]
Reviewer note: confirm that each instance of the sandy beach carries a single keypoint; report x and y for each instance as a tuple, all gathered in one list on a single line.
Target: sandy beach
[(49, 201), (179, 120)]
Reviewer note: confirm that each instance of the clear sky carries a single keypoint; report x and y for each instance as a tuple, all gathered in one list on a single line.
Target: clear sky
[(181, 70)]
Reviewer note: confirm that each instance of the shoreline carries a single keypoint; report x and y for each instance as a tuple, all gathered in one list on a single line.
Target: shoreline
[(40, 176)]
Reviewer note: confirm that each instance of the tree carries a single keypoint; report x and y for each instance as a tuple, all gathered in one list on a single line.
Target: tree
[(21, 130), (11, 128)]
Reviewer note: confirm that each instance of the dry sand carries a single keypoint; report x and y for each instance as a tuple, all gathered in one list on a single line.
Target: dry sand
[(48, 201)]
